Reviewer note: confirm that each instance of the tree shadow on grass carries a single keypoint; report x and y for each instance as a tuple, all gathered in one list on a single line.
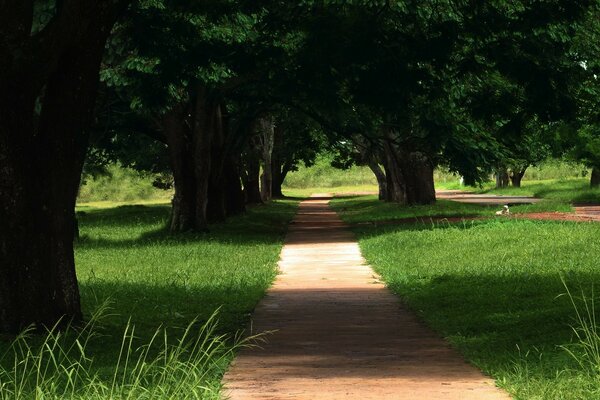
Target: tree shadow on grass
[(147, 225)]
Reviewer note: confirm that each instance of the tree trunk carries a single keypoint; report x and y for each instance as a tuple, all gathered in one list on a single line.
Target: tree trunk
[(501, 178), (418, 173), (252, 180), (395, 182), (40, 171), (381, 179), (234, 196), (183, 211), (276, 169), (265, 127), (595, 178), (216, 208), (202, 135), (517, 176)]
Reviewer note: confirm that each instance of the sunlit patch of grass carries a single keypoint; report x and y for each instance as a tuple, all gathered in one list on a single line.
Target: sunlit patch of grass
[(84, 206), (338, 190), (322, 174)]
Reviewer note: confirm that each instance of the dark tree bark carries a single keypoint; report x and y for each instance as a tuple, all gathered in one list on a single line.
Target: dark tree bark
[(517, 176), (252, 180), (279, 175), (395, 181), (235, 202), (277, 164), (418, 173), (204, 124), (381, 179), (216, 207), (183, 211), (194, 164), (41, 161), (595, 178)]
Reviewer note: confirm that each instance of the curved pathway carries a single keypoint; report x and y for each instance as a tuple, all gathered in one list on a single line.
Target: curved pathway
[(338, 333)]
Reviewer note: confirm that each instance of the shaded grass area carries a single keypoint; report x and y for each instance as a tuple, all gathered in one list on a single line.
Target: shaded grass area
[(493, 288), (153, 279)]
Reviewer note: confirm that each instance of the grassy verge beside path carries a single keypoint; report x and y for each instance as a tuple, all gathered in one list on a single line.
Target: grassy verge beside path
[(494, 289), (152, 280)]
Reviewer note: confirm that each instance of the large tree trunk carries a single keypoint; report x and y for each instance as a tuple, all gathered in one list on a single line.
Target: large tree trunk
[(204, 123), (418, 173), (183, 211), (381, 179), (278, 179), (517, 176), (395, 181), (595, 178), (40, 170)]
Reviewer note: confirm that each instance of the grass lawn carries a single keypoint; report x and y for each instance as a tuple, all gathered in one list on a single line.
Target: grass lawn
[(494, 289), (151, 280)]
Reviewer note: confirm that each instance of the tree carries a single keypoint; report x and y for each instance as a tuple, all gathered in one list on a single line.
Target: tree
[(49, 64)]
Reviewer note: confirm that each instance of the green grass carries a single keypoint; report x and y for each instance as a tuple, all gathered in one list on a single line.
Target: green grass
[(323, 175), (165, 285), (338, 190), (493, 288)]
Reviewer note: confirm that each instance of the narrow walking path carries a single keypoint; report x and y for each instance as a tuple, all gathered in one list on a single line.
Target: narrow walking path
[(339, 333)]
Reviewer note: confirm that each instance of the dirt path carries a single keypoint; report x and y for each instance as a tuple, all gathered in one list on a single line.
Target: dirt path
[(340, 334), (483, 199)]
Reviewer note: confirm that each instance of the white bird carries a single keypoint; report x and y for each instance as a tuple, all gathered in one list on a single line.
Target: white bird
[(504, 211)]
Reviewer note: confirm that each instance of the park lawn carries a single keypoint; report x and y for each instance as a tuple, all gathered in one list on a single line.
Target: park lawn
[(152, 279), (493, 288)]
